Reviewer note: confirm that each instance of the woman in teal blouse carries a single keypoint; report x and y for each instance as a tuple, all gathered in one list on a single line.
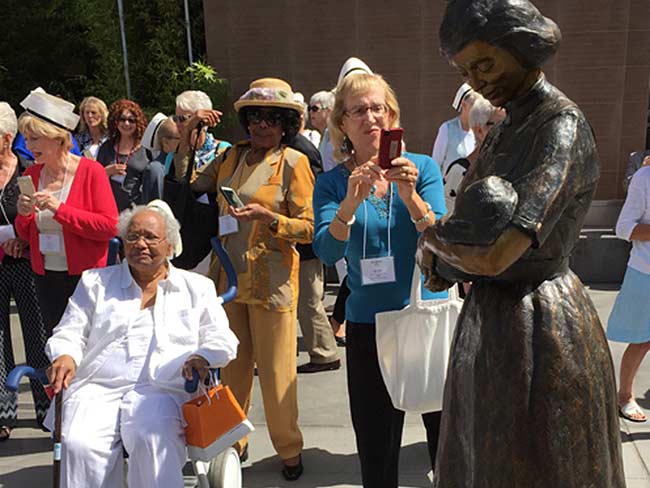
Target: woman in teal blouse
[(373, 218)]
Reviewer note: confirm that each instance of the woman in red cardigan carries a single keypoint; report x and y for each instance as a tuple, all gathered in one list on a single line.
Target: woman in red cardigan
[(71, 216)]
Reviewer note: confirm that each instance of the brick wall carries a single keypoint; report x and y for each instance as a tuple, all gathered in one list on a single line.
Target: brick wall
[(603, 64)]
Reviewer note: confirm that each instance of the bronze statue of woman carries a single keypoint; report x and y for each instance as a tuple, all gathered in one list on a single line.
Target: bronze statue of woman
[(530, 399)]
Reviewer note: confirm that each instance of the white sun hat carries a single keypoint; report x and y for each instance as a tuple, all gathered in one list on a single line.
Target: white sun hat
[(162, 207), (51, 109), (351, 66), (462, 92), (149, 139)]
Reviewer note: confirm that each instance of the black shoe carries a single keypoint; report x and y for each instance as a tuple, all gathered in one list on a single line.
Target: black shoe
[(340, 341), (292, 473), (243, 456), (318, 367)]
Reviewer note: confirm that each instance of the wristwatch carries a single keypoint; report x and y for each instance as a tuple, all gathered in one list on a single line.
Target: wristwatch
[(425, 217)]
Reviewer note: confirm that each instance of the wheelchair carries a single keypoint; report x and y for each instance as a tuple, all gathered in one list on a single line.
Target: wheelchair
[(224, 470)]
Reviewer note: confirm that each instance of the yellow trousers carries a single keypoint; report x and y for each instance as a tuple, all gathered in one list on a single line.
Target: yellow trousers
[(267, 339)]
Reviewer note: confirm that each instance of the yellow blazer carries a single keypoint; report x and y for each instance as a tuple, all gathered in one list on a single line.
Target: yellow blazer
[(266, 261)]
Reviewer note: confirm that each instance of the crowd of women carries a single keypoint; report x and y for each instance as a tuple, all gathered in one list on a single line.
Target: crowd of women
[(546, 371)]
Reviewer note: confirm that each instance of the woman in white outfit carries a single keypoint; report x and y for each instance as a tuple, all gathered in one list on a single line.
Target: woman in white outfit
[(129, 337)]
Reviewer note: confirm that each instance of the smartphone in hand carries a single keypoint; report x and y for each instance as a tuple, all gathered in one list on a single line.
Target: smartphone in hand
[(26, 185), (390, 146), (231, 197)]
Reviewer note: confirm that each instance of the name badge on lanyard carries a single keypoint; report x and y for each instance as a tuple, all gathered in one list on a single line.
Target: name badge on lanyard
[(6, 233), (228, 225), (375, 271), (50, 243)]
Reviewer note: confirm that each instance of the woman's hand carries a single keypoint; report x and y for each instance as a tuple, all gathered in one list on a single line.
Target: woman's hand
[(46, 201), (25, 205), (14, 247), (115, 169), (252, 211), (405, 175), (360, 184), (62, 372), (199, 363)]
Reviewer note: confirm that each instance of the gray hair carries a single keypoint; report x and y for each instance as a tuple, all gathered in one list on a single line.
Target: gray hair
[(8, 121), (193, 100), (480, 112), (172, 227), (323, 98)]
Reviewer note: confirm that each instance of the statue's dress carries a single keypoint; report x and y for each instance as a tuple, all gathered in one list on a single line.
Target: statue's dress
[(530, 399)]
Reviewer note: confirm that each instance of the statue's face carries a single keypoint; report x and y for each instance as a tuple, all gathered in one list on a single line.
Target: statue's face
[(493, 72)]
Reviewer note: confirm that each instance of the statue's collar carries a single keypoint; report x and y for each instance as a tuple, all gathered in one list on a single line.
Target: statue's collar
[(519, 108)]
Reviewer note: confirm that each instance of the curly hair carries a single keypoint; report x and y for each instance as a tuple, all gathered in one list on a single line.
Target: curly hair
[(114, 114), (290, 122)]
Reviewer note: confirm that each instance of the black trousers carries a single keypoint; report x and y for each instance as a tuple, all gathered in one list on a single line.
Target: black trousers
[(377, 424), (16, 280), (341, 298), (53, 290)]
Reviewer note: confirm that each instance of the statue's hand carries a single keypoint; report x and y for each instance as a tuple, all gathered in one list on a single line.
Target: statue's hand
[(426, 260)]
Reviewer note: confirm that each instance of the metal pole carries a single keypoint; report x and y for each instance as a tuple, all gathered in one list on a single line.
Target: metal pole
[(189, 32), (125, 55)]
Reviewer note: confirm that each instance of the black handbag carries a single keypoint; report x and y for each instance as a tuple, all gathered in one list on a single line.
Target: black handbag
[(199, 221)]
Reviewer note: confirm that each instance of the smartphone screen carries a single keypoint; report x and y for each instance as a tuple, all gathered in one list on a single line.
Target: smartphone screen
[(26, 185), (390, 146), (231, 197)]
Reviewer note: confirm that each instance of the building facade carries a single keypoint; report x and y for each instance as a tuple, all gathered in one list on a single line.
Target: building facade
[(603, 63)]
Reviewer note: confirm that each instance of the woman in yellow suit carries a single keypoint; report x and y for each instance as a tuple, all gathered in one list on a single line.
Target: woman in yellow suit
[(275, 185)]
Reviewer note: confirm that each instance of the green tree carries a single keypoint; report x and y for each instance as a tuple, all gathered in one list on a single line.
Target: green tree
[(73, 48)]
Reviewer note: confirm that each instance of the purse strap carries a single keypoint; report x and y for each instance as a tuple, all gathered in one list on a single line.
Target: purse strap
[(416, 288)]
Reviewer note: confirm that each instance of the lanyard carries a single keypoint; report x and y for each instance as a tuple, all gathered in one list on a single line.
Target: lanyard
[(128, 156), (365, 222)]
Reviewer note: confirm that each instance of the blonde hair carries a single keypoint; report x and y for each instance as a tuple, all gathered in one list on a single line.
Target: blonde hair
[(357, 85), (29, 124), (101, 108)]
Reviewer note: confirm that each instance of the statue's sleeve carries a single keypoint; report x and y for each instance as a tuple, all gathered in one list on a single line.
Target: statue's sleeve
[(562, 164)]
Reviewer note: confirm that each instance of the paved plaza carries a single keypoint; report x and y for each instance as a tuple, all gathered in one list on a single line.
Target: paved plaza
[(329, 455)]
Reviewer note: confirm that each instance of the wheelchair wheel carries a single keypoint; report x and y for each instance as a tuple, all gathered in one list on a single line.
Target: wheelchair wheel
[(225, 470)]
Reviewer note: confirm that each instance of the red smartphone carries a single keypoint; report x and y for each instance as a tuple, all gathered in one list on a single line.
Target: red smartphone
[(390, 146)]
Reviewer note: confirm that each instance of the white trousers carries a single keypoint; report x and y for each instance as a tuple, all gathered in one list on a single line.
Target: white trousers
[(98, 422)]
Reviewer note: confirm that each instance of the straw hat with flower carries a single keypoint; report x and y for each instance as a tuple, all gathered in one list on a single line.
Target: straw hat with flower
[(268, 92)]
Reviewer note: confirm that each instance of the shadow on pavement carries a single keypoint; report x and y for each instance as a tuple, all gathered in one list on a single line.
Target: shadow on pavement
[(323, 469), (40, 476), (22, 446)]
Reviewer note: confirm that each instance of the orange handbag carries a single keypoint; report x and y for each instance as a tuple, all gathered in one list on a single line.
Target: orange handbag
[(215, 421)]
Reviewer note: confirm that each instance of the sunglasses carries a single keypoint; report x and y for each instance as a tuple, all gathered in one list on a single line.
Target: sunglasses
[(314, 108), (271, 117), (130, 120), (181, 118)]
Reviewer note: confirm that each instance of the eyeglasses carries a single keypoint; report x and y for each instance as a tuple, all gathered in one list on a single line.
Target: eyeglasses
[(271, 117), (377, 110), (181, 118), (130, 120), (149, 240), (314, 108)]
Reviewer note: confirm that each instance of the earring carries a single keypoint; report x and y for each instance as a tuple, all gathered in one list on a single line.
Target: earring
[(346, 145)]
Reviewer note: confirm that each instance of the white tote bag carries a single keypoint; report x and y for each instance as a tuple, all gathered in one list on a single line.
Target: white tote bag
[(413, 348)]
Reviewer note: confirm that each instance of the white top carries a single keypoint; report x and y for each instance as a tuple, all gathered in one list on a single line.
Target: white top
[(53, 260), (452, 180), (327, 151), (312, 135), (452, 143), (636, 210), (187, 319)]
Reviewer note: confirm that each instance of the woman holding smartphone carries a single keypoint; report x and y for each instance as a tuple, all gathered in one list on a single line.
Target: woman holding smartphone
[(363, 211), (70, 218), (275, 184)]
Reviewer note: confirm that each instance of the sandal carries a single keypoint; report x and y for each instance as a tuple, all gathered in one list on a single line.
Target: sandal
[(632, 411), (5, 432)]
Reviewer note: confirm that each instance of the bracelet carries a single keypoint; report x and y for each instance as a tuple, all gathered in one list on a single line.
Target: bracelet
[(425, 217), (347, 223)]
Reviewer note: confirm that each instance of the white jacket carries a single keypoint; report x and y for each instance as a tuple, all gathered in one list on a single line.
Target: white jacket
[(188, 319)]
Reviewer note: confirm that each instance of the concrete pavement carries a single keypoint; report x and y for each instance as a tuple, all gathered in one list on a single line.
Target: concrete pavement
[(329, 456)]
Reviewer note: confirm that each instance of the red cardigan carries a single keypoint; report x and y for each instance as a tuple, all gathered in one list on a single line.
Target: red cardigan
[(88, 218)]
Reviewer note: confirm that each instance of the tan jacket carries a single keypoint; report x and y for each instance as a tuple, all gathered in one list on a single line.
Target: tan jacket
[(266, 261)]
